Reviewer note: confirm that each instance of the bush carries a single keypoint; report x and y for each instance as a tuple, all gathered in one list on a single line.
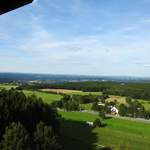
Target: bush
[(69, 103), (102, 114), (15, 138), (123, 110), (44, 138), (95, 106), (57, 104), (97, 123)]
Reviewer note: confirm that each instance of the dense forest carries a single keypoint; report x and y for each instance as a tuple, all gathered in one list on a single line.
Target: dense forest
[(26, 123)]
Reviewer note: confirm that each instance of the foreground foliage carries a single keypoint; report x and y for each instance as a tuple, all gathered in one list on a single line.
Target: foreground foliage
[(24, 117)]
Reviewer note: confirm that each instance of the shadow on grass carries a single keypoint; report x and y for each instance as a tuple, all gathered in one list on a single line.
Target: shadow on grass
[(108, 117), (78, 136)]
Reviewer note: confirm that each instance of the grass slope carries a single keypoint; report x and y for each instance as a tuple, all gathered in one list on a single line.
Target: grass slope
[(47, 97), (118, 134)]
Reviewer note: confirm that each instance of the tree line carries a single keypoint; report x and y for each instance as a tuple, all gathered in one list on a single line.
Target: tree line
[(134, 109), (72, 102)]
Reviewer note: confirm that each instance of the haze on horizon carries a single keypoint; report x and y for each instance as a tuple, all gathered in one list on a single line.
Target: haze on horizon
[(89, 37)]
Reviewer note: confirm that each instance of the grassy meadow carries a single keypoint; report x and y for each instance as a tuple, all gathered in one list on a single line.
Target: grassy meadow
[(47, 97), (118, 134)]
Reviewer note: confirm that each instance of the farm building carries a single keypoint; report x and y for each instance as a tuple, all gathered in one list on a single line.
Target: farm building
[(114, 110)]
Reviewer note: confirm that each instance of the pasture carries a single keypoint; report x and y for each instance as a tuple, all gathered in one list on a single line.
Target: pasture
[(70, 92), (46, 97), (118, 134)]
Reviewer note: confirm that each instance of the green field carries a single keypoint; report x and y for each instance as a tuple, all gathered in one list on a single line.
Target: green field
[(47, 97), (7, 86), (118, 134)]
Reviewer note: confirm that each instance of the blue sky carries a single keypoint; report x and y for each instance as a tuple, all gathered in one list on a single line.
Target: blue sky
[(89, 37)]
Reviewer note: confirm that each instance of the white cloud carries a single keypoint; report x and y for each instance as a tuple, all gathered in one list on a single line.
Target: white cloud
[(147, 65)]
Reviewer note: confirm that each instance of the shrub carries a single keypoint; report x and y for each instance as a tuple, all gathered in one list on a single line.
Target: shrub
[(15, 138), (97, 123)]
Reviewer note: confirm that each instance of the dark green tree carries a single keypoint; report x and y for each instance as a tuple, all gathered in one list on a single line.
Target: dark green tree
[(128, 100), (44, 138), (102, 113), (15, 138), (103, 97), (123, 110), (97, 123), (95, 106)]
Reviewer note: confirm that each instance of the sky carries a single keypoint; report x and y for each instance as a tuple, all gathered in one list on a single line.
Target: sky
[(83, 37)]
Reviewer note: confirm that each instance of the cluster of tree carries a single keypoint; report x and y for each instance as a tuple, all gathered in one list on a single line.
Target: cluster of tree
[(85, 99), (72, 102), (133, 109), (98, 123), (102, 109), (27, 123), (68, 103), (130, 92)]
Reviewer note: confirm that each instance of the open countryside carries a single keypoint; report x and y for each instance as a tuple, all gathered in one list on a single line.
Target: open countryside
[(74, 75), (50, 95), (119, 134)]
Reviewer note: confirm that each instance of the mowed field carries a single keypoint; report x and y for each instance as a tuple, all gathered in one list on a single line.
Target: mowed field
[(46, 97), (118, 134), (70, 92)]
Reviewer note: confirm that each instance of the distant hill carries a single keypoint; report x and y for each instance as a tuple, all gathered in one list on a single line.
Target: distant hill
[(9, 77)]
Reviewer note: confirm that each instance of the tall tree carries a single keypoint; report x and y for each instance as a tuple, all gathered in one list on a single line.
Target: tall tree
[(123, 110), (15, 138), (44, 138)]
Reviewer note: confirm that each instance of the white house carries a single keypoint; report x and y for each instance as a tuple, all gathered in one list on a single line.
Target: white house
[(89, 123), (114, 110)]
